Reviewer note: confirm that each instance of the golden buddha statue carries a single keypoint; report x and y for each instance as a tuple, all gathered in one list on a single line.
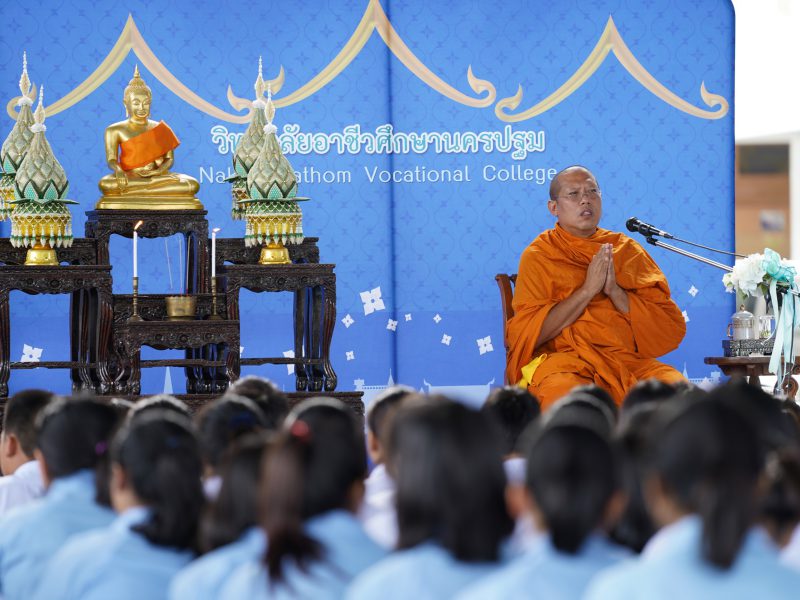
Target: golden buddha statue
[(140, 153)]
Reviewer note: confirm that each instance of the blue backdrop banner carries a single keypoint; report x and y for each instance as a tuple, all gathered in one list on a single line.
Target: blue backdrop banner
[(426, 135)]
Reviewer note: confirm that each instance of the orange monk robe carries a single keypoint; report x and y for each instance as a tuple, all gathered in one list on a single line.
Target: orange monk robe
[(603, 346), (146, 147)]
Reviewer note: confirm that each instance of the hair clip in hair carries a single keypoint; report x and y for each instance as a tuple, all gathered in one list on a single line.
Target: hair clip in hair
[(100, 448), (300, 430)]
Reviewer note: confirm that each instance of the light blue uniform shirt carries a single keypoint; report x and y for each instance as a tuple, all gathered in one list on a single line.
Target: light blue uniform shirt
[(204, 578), (544, 572), (424, 572), (347, 552), (112, 563), (671, 567), (30, 535)]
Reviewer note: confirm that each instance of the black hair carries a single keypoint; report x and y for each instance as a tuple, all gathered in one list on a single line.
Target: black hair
[(160, 455), (223, 421), (582, 408), (382, 406), (236, 507), (309, 470), (272, 402), (157, 403), (708, 459), (648, 390), (73, 435), (122, 406), (598, 393), (572, 472), (512, 409), (780, 506), (450, 480), (20, 415)]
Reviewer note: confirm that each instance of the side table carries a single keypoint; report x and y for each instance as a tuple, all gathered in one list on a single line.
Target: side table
[(131, 336), (314, 314), (752, 367), (94, 280)]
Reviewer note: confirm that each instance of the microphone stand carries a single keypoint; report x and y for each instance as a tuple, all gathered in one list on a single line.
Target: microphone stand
[(653, 241)]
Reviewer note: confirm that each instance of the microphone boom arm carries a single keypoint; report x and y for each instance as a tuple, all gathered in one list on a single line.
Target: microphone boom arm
[(651, 240)]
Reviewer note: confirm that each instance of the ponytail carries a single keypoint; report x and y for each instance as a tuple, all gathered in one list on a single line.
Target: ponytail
[(309, 470), (708, 458), (160, 455)]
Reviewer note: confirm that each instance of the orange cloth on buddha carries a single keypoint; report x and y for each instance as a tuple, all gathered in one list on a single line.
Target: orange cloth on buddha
[(144, 148), (603, 346)]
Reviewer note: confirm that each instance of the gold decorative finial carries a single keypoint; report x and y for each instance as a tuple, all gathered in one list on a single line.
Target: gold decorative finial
[(136, 84), (259, 81), (24, 81), (39, 114), (270, 110), (135, 71)]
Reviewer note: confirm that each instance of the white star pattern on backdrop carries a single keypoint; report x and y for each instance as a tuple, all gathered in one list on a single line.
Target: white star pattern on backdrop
[(350, 355), (391, 325), (437, 317), (685, 316), (485, 344), (693, 291), (408, 316), (348, 320), (30, 354), (372, 301), (446, 339), (289, 354)]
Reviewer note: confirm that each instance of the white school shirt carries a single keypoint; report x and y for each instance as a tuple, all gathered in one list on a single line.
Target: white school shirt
[(22, 486), (672, 568), (378, 515), (790, 555)]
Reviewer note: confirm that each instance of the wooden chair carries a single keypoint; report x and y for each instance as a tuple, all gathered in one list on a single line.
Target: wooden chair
[(506, 284)]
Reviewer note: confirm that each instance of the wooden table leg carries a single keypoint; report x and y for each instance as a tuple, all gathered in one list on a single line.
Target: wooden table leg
[(5, 344), (105, 319), (301, 349), (329, 322)]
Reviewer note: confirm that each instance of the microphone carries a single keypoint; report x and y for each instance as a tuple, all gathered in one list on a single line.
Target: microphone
[(635, 225)]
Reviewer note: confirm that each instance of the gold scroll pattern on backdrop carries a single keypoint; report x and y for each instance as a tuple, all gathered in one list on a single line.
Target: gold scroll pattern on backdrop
[(375, 19)]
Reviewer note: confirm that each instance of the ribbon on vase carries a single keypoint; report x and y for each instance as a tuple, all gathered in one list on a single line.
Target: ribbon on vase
[(783, 352)]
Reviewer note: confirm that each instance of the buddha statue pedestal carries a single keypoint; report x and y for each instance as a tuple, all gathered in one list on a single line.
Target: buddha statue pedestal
[(148, 203)]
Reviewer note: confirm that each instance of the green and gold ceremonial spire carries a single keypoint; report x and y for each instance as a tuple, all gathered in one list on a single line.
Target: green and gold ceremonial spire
[(272, 214), (16, 144), (248, 148), (40, 220)]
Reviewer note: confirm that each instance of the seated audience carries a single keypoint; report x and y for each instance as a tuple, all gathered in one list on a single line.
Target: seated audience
[(598, 393), (157, 493), (451, 510), (229, 532), (157, 403), (377, 513), (71, 437), (702, 491), (573, 491), (219, 424), (648, 390), (780, 507), (22, 481), (273, 402), (512, 409), (582, 408), (312, 485)]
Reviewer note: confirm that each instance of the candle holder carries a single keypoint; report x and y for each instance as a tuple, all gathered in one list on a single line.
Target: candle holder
[(135, 316), (214, 316)]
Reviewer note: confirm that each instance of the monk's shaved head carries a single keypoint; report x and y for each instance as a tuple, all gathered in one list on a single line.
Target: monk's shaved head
[(555, 185)]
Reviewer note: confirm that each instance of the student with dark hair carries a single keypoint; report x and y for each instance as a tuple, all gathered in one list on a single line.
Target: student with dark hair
[(219, 424), (377, 513), (702, 491), (451, 509), (598, 393), (22, 481), (157, 494), (584, 409), (159, 402), (779, 510), (648, 390), (71, 437), (572, 481), (312, 483), (229, 532), (270, 400)]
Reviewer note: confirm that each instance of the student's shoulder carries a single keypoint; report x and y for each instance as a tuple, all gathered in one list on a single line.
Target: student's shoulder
[(618, 582), (388, 577), (509, 581)]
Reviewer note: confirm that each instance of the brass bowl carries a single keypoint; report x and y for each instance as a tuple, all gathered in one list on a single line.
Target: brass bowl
[(181, 308)]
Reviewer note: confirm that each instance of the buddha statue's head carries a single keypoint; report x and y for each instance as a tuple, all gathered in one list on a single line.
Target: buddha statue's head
[(137, 97)]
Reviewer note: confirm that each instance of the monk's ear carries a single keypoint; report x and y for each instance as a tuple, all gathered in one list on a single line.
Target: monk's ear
[(552, 206)]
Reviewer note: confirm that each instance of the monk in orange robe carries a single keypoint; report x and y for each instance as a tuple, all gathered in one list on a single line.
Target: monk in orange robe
[(590, 305)]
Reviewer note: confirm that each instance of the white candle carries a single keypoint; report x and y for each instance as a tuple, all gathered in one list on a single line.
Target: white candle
[(136, 250), (214, 252)]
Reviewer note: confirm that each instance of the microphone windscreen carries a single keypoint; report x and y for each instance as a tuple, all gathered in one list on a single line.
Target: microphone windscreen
[(632, 224)]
